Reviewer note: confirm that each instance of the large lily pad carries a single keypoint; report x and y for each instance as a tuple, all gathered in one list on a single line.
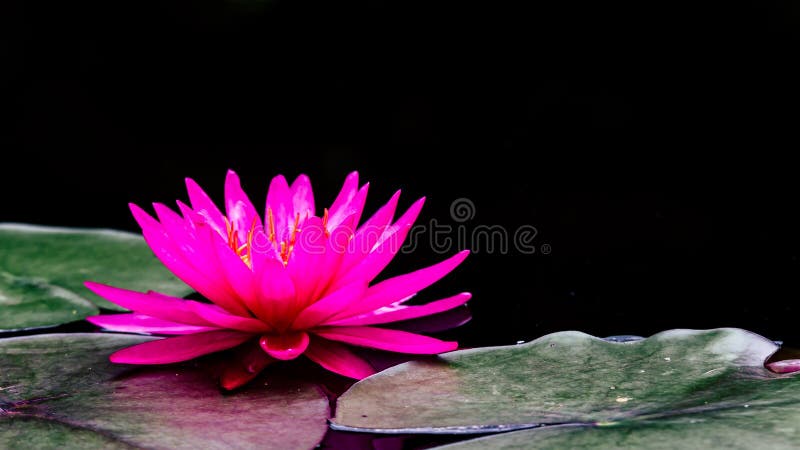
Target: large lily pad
[(60, 391), (690, 386), (42, 270)]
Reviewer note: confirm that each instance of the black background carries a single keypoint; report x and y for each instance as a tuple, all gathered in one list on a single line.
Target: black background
[(638, 138)]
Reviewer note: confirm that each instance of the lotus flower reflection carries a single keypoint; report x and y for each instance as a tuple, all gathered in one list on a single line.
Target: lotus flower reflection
[(287, 284)]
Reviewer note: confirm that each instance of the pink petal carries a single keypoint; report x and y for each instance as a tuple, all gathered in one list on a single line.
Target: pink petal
[(213, 255), (285, 346), (785, 366), (382, 217), (389, 291), (387, 247), (346, 195), (275, 302), (302, 196), (180, 348), (202, 205), (262, 249), (161, 307), (184, 237), (304, 265), (368, 234), (336, 248), (191, 218), (178, 310), (248, 362), (223, 319), (280, 206), (385, 339), (173, 224), (164, 248), (329, 306), (338, 358), (194, 221), (241, 213), (140, 323), (198, 264), (353, 208), (437, 322), (398, 313), (238, 275)]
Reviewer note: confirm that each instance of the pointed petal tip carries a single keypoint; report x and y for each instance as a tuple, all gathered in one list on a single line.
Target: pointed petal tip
[(230, 384), (339, 359), (452, 344), (93, 320), (280, 177), (161, 209), (136, 209), (387, 339), (190, 183), (184, 208), (116, 358), (231, 177), (458, 258), (418, 204), (93, 285), (142, 217)]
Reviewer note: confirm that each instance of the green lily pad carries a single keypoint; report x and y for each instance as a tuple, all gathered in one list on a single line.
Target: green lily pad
[(42, 270), (570, 390), (59, 391)]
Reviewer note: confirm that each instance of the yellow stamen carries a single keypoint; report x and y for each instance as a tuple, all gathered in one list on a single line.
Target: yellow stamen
[(325, 223), (271, 224), (250, 235), (295, 230), (284, 253)]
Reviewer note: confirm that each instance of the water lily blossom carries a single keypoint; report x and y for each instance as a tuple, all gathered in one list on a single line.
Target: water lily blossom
[(281, 285)]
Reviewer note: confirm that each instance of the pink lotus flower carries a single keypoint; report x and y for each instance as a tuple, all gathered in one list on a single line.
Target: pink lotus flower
[(288, 284)]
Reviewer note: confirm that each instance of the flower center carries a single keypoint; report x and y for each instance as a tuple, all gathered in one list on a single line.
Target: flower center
[(285, 246), (244, 250)]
